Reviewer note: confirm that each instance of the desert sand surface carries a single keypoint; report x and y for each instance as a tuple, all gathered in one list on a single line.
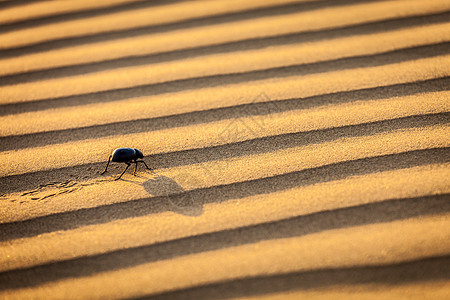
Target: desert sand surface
[(299, 149)]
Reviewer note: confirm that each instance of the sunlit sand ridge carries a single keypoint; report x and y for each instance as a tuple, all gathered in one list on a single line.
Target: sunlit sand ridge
[(299, 149)]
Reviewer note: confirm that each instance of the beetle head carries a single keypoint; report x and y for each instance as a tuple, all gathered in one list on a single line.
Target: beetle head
[(139, 154)]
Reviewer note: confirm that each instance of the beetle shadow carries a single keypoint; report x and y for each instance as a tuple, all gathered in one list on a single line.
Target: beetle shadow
[(175, 196)]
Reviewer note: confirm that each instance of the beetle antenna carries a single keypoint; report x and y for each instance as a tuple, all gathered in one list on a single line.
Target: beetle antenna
[(109, 159)]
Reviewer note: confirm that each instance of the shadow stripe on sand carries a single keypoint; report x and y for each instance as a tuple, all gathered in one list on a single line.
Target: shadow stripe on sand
[(217, 114), (426, 270), (356, 62), (31, 180), (257, 43), (12, 3), (216, 194), (382, 212), (78, 14), (190, 23)]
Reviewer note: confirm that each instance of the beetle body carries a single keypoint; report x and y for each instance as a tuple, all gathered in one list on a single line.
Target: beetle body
[(128, 156)]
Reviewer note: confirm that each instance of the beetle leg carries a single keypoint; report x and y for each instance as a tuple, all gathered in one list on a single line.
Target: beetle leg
[(128, 164), (144, 164), (135, 168), (107, 164)]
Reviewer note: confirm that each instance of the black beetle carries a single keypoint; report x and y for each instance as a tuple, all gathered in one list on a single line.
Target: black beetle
[(128, 156)]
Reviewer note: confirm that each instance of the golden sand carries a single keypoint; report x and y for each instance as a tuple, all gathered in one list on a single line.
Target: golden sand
[(299, 149)]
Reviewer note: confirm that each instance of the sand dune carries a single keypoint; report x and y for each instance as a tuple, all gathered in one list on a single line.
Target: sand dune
[(314, 251), (220, 64), (70, 53), (133, 18), (279, 88), (299, 149), (36, 11)]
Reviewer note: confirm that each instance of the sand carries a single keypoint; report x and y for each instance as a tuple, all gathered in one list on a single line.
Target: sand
[(300, 149)]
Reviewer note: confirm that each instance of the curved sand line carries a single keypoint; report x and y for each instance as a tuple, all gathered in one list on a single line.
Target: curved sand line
[(307, 199), (232, 94), (310, 252), (293, 142), (282, 161), (281, 56), (377, 212), (220, 132), (215, 34), (182, 203), (250, 44), (129, 18), (396, 56), (153, 124), (33, 11), (392, 281)]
